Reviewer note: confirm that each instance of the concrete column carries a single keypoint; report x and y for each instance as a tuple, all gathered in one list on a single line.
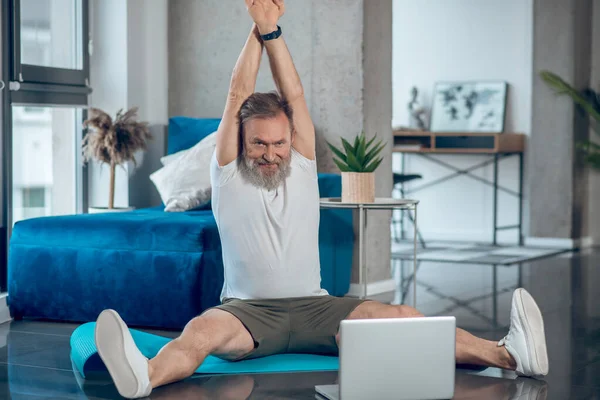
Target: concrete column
[(557, 181), (377, 117), (337, 74), (351, 91), (204, 41)]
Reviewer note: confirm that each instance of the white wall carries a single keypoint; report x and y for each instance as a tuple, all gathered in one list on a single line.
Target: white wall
[(148, 58), (148, 89), (435, 40), (128, 68), (108, 78)]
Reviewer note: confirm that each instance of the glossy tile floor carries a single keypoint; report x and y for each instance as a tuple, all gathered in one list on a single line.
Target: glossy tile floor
[(34, 356)]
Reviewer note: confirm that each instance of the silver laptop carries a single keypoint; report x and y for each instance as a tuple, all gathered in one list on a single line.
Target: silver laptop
[(407, 358)]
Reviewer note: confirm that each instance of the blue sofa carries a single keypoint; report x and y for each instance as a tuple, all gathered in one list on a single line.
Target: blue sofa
[(158, 269)]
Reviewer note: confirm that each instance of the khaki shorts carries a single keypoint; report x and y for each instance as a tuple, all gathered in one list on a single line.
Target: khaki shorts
[(294, 325)]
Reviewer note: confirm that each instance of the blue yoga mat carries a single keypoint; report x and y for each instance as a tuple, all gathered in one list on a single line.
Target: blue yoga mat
[(85, 356)]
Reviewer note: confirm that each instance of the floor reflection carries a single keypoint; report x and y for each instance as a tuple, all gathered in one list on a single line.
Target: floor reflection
[(35, 363), (565, 288), (468, 385)]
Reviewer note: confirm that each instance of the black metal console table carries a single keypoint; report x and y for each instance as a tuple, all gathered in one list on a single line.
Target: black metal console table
[(495, 145)]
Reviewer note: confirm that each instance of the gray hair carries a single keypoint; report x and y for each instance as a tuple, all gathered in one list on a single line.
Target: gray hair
[(264, 105)]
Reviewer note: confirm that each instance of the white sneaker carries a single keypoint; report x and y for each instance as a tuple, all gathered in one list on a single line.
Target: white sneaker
[(526, 340), (126, 364)]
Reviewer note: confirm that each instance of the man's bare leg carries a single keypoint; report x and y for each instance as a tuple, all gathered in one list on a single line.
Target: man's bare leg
[(469, 349), (216, 332), (477, 351)]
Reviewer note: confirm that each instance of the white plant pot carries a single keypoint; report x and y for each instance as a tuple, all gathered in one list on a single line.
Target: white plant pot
[(100, 210), (358, 187)]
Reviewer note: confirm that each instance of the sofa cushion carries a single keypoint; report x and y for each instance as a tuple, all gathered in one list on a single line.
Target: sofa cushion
[(185, 132), (142, 230)]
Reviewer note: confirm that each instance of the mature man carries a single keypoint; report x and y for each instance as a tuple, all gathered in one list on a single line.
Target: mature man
[(265, 202)]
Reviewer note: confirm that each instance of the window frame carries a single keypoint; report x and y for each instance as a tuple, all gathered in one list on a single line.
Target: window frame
[(5, 142), (27, 73)]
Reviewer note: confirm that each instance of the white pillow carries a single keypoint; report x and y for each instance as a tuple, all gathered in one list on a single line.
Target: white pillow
[(184, 181), (207, 141), (172, 157)]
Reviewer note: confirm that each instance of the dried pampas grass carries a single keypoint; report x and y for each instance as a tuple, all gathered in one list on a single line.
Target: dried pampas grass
[(114, 142)]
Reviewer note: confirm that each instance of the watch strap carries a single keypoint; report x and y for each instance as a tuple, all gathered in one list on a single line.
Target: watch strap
[(272, 35)]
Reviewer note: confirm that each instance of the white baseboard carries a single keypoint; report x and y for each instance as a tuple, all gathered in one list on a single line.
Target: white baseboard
[(373, 288), (4, 312), (559, 243)]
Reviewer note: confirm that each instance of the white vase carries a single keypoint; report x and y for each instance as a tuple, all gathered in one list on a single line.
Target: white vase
[(358, 187), (100, 210)]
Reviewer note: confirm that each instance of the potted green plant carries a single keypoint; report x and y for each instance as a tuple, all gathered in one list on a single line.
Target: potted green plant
[(113, 143), (589, 101), (358, 162)]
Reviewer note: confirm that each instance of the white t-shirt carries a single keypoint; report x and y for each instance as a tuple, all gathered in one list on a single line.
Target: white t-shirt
[(270, 238)]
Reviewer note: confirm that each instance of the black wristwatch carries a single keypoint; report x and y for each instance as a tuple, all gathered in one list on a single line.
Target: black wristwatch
[(272, 35)]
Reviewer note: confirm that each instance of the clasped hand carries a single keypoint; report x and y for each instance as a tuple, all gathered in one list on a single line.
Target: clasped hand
[(265, 14)]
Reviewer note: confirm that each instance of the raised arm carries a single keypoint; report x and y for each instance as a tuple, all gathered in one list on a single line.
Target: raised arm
[(286, 77), (243, 83)]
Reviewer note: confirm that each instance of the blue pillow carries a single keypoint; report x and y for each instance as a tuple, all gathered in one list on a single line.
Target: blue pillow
[(185, 132)]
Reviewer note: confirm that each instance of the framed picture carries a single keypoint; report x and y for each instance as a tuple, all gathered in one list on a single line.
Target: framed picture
[(469, 107)]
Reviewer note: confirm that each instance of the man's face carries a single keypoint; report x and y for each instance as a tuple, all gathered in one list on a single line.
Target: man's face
[(267, 151)]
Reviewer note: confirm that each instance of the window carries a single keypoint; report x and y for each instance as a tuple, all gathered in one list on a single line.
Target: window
[(32, 201), (45, 161), (33, 197), (51, 33), (49, 41)]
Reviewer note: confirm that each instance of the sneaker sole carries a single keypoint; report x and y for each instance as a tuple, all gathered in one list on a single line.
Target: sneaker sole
[(110, 343), (531, 318)]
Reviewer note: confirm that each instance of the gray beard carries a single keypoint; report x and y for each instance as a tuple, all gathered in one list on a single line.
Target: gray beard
[(250, 171)]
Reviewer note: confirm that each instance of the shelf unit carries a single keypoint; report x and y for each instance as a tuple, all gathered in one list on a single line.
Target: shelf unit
[(457, 142)]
